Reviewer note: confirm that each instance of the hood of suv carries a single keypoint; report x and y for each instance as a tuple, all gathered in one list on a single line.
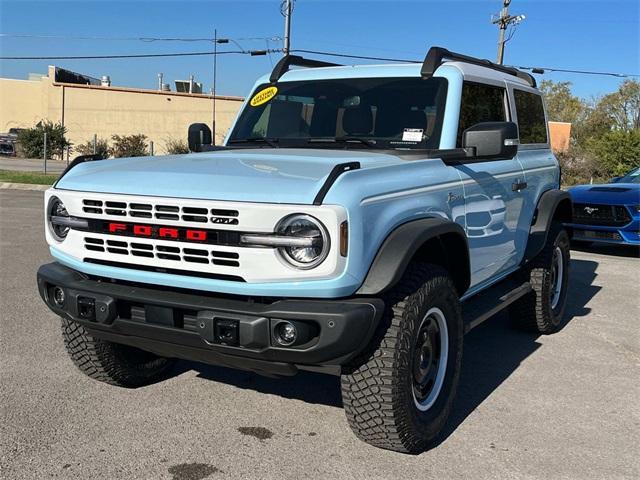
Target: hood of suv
[(255, 175)]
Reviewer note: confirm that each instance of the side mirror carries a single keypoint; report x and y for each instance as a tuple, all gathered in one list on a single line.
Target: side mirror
[(199, 135), (615, 179), (491, 140)]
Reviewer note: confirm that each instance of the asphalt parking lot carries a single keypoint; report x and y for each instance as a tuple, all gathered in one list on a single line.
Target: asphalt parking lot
[(565, 406)]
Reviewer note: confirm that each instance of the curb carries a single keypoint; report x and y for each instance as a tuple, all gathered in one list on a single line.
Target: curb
[(23, 186)]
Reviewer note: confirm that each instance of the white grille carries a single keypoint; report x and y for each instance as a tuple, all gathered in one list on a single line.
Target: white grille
[(251, 264), (195, 254), (167, 211)]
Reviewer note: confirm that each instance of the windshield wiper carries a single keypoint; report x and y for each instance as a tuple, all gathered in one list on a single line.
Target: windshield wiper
[(272, 142), (346, 140)]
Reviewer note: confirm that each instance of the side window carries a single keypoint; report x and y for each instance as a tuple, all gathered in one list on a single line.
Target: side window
[(480, 103), (531, 121)]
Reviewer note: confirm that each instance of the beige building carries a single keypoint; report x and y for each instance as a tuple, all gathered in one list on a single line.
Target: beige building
[(87, 110), (560, 133)]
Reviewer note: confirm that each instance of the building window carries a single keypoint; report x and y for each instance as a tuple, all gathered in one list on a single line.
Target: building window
[(531, 121), (480, 103)]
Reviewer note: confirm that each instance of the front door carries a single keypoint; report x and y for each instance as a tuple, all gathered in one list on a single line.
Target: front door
[(493, 201)]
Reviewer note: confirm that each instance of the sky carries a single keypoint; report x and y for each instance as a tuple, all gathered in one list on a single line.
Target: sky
[(597, 35)]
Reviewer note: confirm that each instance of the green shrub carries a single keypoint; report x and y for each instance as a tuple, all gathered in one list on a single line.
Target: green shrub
[(31, 140), (618, 151), (102, 148), (129, 146), (176, 147)]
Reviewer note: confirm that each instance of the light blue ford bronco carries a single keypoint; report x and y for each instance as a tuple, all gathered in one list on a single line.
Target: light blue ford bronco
[(357, 221)]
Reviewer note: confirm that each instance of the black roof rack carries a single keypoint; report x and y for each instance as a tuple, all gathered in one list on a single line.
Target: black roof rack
[(437, 55), (288, 61)]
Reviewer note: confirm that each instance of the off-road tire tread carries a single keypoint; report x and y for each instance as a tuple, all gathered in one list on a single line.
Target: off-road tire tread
[(370, 387), (531, 312), (110, 362)]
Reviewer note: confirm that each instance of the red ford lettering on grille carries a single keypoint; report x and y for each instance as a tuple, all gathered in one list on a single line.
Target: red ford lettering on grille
[(168, 232), (150, 231), (196, 235), (142, 230)]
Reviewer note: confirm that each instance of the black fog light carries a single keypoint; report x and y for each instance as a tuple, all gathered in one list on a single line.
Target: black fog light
[(286, 333), (58, 296)]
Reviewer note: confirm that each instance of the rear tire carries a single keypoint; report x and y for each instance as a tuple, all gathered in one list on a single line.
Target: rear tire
[(109, 362), (398, 394), (542, 310)]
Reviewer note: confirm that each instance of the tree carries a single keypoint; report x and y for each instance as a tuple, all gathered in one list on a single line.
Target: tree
[(102, 148), (622, 108), (617, 151), (562, 105), (129, 146), (31, 140), (605, 133)]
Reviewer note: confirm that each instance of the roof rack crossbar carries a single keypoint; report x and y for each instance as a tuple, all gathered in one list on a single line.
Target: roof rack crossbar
[(283, 66), (437, 55)]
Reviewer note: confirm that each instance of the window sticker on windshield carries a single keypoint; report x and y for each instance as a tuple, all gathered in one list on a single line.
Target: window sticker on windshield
[(412, 135), (263, 96)]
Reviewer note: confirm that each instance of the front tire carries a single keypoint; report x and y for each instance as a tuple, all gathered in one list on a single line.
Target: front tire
[(399, 393), (109, 362), (541, 311)]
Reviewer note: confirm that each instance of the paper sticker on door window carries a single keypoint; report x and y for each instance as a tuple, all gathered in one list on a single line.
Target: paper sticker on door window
[(412, 135), (263, 96)]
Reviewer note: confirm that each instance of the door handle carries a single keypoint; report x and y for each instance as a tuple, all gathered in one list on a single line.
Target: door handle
[(517, 186)]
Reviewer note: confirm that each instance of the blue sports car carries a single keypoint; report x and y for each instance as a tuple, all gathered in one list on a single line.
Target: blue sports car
[(608, 213)]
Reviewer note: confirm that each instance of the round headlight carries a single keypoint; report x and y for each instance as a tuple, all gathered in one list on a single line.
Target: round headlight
[(314, 238), (57, 209)]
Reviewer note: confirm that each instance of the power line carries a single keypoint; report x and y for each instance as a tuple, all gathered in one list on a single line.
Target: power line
[(147, 55), (539, 70), (363, 57), (312, 52), (542, 70), (273, 38)]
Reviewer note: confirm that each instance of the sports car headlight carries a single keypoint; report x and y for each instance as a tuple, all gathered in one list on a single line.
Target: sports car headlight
[(311, 236)]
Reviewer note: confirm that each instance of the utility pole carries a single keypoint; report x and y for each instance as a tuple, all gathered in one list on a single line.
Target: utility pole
[(503, 21), (287, 9), (216, 41), (213, 91)]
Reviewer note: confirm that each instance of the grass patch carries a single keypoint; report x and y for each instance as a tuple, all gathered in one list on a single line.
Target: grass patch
[(34, 178)]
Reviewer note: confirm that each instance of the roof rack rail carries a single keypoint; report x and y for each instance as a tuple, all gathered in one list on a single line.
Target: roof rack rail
[(437, 55), (288, 61)]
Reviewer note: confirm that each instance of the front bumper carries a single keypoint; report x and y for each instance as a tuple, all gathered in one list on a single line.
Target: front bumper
[(237, 332), (627, 235)]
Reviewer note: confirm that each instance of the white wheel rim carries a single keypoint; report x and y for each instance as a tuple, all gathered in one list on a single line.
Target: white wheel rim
[(434, 314), (557, 270)]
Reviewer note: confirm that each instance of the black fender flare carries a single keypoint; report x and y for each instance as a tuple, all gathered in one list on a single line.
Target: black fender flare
[(404, 242), (553, 205)]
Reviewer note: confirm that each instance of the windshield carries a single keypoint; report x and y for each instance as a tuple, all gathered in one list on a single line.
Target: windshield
[(357, 112), (632, 177)]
